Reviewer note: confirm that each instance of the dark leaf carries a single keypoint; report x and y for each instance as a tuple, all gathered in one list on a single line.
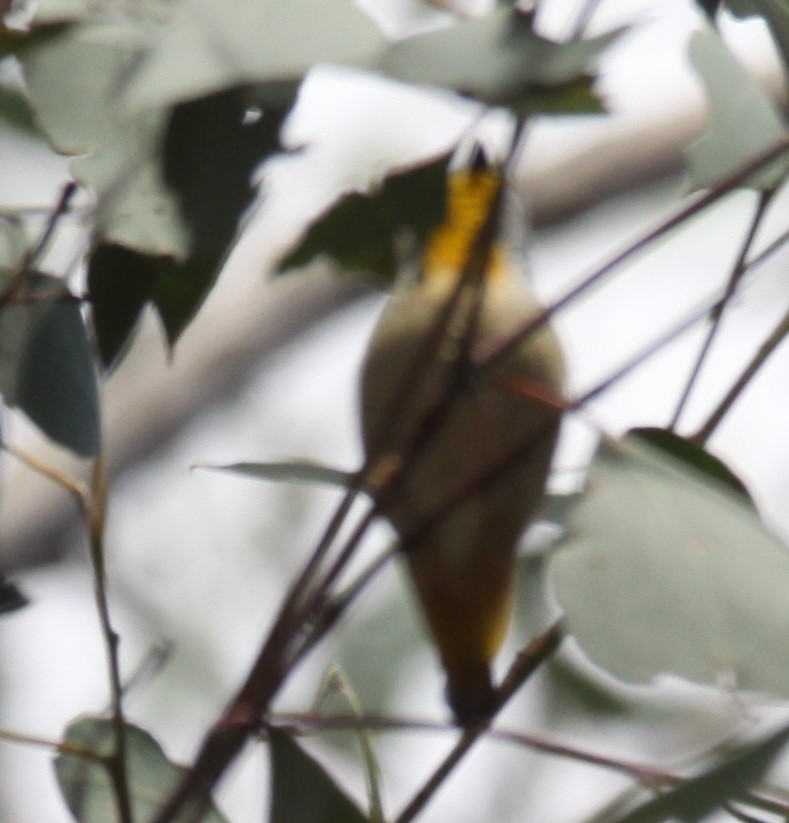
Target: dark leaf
[(202, 48), (683, 449), (302, 790), (56, 383), (211, 193), (120, 283), (709, 7), (47, 366), (85, 780), (358, 231), (15, 111)]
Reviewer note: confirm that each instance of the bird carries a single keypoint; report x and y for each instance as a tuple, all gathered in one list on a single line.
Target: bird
[(459, 454)]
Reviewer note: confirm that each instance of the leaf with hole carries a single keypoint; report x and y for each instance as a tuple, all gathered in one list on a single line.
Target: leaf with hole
[(47, 367)]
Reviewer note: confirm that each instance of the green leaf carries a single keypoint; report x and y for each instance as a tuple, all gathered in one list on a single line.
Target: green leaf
[(11, 597), (56, 382), (74, 84), (47, 367), (699, 797), (302, 790), (695, 456), (357, 231), (271, 41), (290, 471), (743, 122), (499, 59), (211, 195), (120, 284), (662, 571), (85, 781)]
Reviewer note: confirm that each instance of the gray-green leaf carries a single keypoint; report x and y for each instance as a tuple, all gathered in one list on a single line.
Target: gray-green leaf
[(85, 781), (662, 570), (743, 122)]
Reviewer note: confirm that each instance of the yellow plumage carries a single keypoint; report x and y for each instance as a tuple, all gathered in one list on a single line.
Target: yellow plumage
[(462, 565)]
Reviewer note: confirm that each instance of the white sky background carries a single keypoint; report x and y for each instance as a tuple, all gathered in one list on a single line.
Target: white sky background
[(201, 553)]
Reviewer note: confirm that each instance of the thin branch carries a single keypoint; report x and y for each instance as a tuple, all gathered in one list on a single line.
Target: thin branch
[(92, 503), (738, 269), (306, 605), (773, 341), (525, 664), (223, 742), (96, 515), (490, 355), (18, 279), (300, 723)]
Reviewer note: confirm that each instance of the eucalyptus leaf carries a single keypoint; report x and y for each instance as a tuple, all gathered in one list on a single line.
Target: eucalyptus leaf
[(74, 84), (357, 232), (86, 784), (695, 456), (47, 367), (697, 798), (661, 571), (271, 41), (121, 282), (743, 122), (290, 471), (57, 386), (498, 59), (211, 196), (302, 790)]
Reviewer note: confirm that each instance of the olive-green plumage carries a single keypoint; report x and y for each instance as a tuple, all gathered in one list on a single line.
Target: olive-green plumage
[(462, 565)]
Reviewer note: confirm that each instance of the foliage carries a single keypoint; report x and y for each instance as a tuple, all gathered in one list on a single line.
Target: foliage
[(168, 111)]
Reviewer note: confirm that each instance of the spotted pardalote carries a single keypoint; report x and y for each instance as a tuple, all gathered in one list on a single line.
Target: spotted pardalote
[(461, 453)]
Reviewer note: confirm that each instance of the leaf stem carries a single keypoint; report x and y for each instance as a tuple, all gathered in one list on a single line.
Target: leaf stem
[(92, 501)]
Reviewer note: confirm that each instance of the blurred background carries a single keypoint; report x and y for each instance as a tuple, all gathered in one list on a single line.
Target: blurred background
[(198, 559)]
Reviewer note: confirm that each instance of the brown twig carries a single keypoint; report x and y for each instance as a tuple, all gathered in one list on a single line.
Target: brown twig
[(738, 269), (525, 664), (19, 277), (490, 355)]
